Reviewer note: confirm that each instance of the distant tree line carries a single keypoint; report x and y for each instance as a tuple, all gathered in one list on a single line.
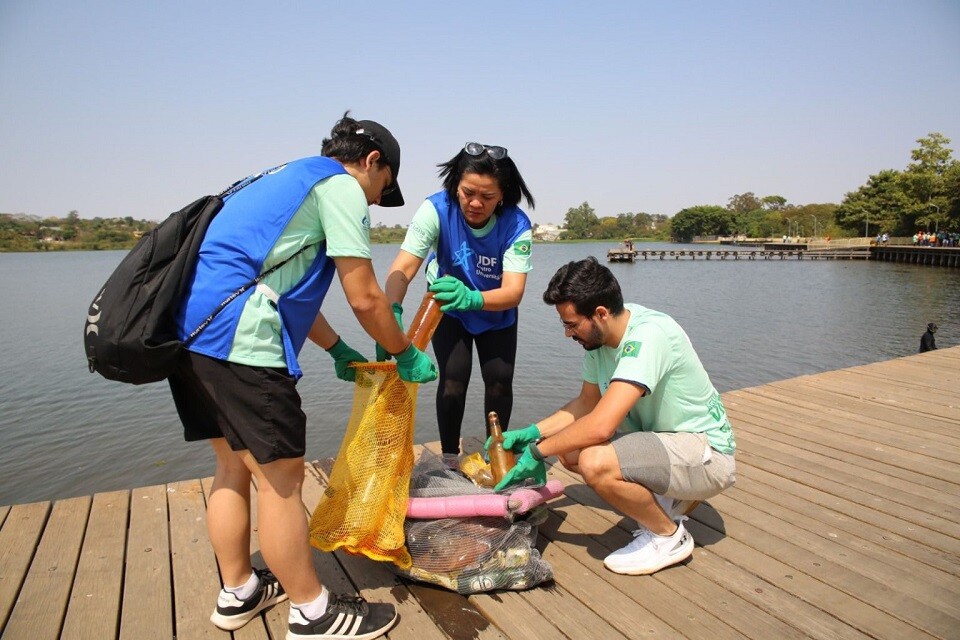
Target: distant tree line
[(926, 195), (19, 232), (582, 223)]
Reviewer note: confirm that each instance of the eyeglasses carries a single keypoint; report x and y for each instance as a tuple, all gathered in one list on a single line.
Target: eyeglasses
[(477, 149), (572, 326)]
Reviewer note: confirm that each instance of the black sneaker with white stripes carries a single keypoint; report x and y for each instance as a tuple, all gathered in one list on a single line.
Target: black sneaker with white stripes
[(232, 612), (346, 618)]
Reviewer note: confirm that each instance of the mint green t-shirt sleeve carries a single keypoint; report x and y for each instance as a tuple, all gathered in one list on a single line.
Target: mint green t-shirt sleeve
[(644, 357), (517, 257), (423, 233), (590, 369), (344, 216)]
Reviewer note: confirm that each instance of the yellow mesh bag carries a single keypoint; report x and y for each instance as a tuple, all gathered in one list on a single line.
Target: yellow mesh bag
[(365, 503)]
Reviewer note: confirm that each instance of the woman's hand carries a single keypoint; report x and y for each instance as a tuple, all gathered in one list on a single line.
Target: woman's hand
[(456, 295)]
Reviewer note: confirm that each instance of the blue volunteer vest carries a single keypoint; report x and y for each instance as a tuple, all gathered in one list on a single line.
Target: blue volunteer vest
[(232, 254), (478, 262)]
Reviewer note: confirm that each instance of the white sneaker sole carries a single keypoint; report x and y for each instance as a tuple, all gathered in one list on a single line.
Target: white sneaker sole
[(682, 554), (232, 623)]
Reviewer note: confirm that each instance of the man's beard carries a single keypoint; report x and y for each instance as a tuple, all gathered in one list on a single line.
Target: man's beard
[(594, 339)]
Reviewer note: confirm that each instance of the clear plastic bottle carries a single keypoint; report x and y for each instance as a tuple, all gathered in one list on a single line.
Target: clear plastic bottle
[(425, 322), (501, 460)]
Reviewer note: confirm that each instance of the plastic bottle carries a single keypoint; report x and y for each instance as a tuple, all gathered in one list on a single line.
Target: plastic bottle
[(425, 322), (501, 460)]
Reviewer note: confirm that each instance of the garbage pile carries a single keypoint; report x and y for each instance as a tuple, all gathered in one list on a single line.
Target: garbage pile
[(469, 539)]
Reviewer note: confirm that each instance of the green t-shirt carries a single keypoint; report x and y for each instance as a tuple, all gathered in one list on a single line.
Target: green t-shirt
[(656, 353), (334, 211), (424, 233)]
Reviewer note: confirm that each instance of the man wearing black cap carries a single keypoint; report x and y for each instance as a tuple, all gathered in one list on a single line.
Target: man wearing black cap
[(927, 343), (236, 383)]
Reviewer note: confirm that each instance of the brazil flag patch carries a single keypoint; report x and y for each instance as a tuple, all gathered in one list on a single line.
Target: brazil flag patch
[(630, 349), (522, 247)]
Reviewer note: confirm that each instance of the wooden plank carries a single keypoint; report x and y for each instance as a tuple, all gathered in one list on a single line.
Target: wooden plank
[(596, 536), (776, 540), (853, 423), (939, 587), (850, 517), (147, 610), (924, 497), (923, 528), (569, 552), (857, 454), (42, 603), (870, 397), (873, 483), (821, 595), (19, 538), (929, 402), (843, 446), (196, 580), (4, 510), (812, 403), (94, 608), (769, 567)]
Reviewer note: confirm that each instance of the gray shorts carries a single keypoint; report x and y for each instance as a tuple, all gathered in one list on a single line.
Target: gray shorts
[(676, 465)]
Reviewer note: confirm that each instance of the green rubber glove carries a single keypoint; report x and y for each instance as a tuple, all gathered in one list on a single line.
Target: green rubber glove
[(343, 355), (456, 295), (414, 365), (527, 467), (517, 439), (382, 355)]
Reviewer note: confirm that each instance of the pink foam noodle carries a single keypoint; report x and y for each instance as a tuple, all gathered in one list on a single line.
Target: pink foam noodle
[(458, 506), (490, 504), (522, 500)]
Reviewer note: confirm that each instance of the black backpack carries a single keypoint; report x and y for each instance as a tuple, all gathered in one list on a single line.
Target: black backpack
[(130, 334)]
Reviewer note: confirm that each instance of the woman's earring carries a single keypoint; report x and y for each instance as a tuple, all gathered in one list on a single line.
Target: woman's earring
[(500, 204)]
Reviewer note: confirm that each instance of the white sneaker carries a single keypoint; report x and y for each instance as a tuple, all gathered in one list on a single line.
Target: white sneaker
[(648, 552), (675, 508)]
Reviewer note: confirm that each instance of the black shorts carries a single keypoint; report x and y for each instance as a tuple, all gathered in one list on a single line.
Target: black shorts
[(254, 408)]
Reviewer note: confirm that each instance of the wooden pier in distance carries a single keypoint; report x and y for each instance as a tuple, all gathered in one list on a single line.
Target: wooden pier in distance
[(617, 255), (844, 523)]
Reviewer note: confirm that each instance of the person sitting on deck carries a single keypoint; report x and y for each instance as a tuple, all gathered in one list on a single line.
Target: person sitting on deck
[(927, 342), (648, 431)]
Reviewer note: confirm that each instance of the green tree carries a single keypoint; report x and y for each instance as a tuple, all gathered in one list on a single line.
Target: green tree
[(875, 207), (581, 222), (704, 220), (925, 182), (744, 203)]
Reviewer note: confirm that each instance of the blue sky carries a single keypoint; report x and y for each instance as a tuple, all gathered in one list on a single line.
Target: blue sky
[(135, 108)]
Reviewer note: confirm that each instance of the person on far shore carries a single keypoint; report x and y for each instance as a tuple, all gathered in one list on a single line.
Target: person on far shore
[(648, 431), (927, 342)]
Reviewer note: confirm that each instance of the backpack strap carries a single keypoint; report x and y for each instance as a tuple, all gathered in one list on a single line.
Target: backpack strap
[(233, 296)]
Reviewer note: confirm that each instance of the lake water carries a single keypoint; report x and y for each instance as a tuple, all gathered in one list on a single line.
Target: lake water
[(67, 432)]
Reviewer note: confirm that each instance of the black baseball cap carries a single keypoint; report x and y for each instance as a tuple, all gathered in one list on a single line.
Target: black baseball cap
[(390, 149)]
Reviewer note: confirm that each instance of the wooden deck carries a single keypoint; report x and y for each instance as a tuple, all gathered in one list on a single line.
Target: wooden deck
[(844, 523)]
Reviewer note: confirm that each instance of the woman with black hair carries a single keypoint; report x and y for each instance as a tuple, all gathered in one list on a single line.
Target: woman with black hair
[(477, 242)]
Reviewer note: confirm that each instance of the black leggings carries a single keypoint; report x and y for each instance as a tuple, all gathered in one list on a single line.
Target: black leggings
[(453, 347)]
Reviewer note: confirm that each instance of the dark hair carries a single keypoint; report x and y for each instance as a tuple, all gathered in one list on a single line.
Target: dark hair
[(504, 171), (587, 284), (346, 145)]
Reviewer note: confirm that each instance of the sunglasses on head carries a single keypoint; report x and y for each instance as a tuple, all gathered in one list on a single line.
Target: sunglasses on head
[(477, 149)]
